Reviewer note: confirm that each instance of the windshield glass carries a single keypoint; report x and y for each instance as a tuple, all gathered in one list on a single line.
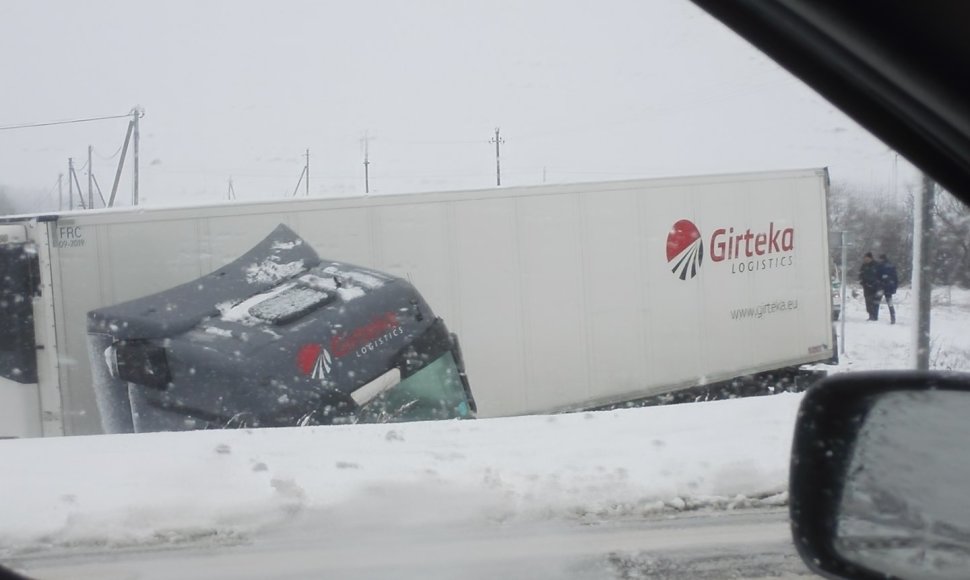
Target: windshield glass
[(434, 392)]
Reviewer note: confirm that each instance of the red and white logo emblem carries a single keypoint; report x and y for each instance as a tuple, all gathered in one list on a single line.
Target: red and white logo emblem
[(314, 360), (685, 249)]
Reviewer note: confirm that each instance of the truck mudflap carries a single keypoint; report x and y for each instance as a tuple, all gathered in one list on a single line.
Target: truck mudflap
[(277, 337)]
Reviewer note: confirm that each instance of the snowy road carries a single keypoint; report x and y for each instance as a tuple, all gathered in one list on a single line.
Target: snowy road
[(739, 544)]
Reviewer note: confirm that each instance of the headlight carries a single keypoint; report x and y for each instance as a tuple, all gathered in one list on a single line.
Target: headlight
[(139, 362)]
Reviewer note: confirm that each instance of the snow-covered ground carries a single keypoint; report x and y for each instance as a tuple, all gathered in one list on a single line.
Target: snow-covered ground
[(879, 345), (175, 486), (117, 490)]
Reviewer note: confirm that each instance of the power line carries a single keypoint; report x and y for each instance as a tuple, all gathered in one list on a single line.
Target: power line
[(431, 142), (50, 192), (112, 156), (66, 122)]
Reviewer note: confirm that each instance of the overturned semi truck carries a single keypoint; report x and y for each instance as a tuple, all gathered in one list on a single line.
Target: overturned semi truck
[(566, 297), (277, 337)]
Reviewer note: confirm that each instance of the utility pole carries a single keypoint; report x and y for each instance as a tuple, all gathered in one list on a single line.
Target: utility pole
[(305, 173), (136, 114), (80, 192), (231, 194), (366, 140), (922, 275), (121, 163), (895, 177), (60, 191), (70, 183), (845, 247), (90, 188), (498, 167)]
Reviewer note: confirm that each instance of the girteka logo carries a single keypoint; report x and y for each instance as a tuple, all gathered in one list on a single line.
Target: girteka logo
[(745, 250), (685, 249), (314, 360)]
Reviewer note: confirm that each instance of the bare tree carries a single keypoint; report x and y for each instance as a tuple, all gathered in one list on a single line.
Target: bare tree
[(951, 259), (876, 223)]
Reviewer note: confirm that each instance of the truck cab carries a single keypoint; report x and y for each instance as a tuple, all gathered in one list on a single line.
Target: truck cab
[(278, 337)]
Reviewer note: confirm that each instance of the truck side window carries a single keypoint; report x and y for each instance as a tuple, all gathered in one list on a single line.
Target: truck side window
[(19, 281)]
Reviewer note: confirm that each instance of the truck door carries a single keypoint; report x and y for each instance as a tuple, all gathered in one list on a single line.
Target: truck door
[(20, 412)]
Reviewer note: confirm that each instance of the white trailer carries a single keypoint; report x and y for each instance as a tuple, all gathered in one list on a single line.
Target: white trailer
[(565, 297)]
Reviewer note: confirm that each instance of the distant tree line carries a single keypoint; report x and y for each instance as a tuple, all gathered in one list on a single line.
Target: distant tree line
[(14, 200), (877, 223), (6, 203)]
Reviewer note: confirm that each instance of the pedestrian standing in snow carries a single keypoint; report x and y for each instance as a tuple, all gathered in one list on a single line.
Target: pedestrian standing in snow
[(888, 282), (871, 286)]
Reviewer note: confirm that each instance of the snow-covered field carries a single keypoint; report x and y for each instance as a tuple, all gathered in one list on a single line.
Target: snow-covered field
[(105, 491), (879, 345)]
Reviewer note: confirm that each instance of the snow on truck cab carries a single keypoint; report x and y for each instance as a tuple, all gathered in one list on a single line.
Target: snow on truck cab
[(277, 337)]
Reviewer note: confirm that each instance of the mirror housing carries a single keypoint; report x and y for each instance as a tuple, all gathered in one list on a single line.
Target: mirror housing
[(858, 448)]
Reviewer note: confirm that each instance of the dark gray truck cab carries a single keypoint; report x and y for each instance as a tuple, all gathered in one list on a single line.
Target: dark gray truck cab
[(277, 337)]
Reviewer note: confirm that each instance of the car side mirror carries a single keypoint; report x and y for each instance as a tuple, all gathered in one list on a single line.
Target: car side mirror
[(880, 475)]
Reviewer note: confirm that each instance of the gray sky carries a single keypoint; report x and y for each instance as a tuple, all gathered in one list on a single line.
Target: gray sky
[(582, 91)]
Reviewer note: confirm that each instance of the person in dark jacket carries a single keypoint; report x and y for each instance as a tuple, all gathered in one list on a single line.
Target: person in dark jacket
[(871, 285), (889, 281)]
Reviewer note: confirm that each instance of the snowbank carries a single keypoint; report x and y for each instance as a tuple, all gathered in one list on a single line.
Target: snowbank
[(163, 487)]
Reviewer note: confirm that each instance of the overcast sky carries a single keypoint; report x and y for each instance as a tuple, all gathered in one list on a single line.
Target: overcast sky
[(582, 91)]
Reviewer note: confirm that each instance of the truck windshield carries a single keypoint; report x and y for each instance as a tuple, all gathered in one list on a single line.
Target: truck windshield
[(434, 392), (17, 285)]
